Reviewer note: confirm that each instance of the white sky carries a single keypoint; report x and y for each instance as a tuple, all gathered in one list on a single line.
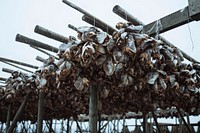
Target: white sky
[(21, 16)]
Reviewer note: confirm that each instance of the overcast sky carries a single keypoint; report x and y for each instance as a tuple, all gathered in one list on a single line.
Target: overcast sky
[(21, 16)]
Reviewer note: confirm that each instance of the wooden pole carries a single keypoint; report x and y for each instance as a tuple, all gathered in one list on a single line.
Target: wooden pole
[(10, 71), (124, 118), (156, 122), (145, 123), (50, 34), (68, 128), (40, 112), (7, 70), (40, 59), (125, 15), (17, 66), (189, 130), (19, 113), (78, 126), (8, 117), (72, 27), (99, 124), (188, 121), (93, 109), (44, 52), (18, 62), (88, 14), (3, 79), (97, 23), (34, 43)]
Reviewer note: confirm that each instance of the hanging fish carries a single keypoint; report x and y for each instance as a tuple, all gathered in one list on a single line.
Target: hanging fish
[(118, 56), (109, 67), (124, 35), (166, 53), (83, 29), (100, 60), (101, 37), (110, 45), (196, 66), (134, 29), (126, 80), (79, 84), (100, 49), (87, 47), (151, 77), (162, 83), (120, 25), (130, 45), (42, 82), (179, 54)]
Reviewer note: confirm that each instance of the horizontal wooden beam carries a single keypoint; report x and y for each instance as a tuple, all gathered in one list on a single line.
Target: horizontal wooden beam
[(50, 34), (3, 79), (34, 43), (98, 23), (126, 15), (72, 27), (89, 18), (40, 59), (7, 70), (169, 22), (18, 62), (194, 9), (17, 66)]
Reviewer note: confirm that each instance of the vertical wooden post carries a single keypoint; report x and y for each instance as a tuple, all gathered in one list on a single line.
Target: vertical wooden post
[(188, 121), (1, 129), (62, 125), (151, 126), (145, 123), (40, 112), (124, 124), (18, 114), (99, 125), (198, 128), (8, 117), (93, 110), (189, 130), (77, 124), (50, 126), (156, 122), (180, 125), (68, 126)]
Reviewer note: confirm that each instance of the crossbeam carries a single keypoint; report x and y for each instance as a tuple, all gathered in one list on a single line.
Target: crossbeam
[(50, 34), (18, 62), (87, 15), (169, 22), (127, 16), (35, 43), (194, 9)]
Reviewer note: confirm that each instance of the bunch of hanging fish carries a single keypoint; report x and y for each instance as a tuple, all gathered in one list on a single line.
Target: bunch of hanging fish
[(133, 72)]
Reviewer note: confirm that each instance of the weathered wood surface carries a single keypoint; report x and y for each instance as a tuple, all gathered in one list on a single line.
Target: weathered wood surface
[(89, 18), (97, 23), (18, 62), (50, 34), (93, 109), (41, 107), (19, 113), (35, 43)]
